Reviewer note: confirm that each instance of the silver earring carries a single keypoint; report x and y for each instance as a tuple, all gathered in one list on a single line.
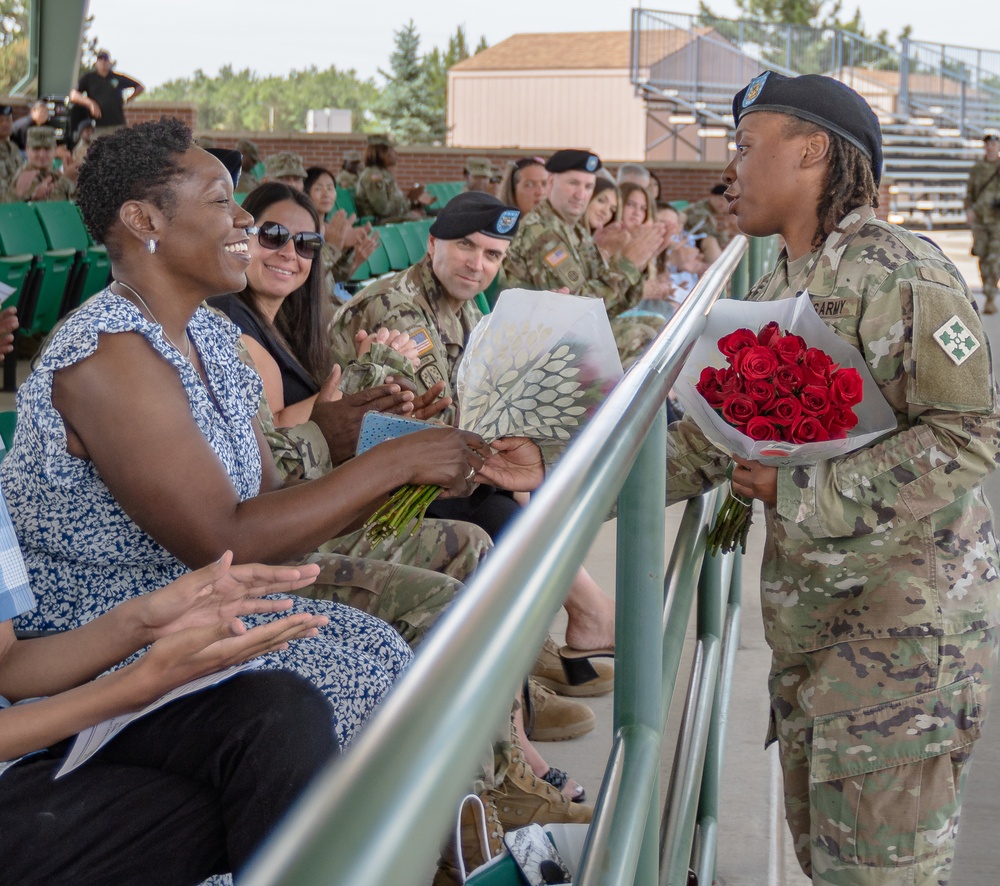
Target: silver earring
[(151, 246)]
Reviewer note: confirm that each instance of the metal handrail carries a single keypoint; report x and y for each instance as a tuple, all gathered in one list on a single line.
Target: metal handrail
[(377, 816)]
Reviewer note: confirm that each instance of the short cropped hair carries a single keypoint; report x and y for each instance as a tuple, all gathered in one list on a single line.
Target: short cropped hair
[(135, 163)]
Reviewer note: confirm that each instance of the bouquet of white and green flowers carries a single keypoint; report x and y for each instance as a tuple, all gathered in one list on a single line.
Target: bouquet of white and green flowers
[(538, 367)]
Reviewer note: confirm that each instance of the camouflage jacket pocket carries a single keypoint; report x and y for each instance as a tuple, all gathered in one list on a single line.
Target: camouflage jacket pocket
[(895, 733)]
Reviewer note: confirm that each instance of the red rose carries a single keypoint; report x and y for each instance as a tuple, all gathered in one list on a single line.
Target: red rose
[(808, 429), (761, 428), (789, 348), (768, 334), (730, 381), (839, 421), (816, 366), (730, 345), (786, 411), (788, 379), (738, 410), (815, 399), (757, 362), (709, 387), (846, 387), (761, 392)]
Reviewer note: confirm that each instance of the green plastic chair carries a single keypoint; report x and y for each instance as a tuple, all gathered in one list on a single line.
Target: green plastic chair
[(21, 233), (345, 201), (259, 170), (395, 247), (240, 196), (378, 261), (414, 235), (64, 229), (364, 272)]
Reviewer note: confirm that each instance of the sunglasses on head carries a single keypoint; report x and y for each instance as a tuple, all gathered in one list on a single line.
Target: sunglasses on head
[(271, 235)]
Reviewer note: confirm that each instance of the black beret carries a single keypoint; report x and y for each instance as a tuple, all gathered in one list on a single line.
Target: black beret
[(572, 160), (473, 212), (989, 137), (232, 160), (6, 110), (821, 100)]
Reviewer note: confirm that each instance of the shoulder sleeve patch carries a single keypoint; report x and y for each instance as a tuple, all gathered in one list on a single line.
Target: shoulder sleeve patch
[(935, 275), (422, 340), (557, 256)]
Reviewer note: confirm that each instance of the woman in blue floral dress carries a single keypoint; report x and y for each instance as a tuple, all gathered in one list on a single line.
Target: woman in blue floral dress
[(137, 454)]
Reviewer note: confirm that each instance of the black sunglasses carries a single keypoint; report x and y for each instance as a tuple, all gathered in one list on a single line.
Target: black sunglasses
[(271, 235)]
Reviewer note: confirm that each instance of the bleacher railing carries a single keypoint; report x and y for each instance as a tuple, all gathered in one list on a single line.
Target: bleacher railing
[(378, 815), (953, 86)]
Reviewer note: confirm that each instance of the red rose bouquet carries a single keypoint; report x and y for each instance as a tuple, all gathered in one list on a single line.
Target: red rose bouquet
[(791, 393)]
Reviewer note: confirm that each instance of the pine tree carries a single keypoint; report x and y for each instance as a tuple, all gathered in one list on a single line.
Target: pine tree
[(406, 108)]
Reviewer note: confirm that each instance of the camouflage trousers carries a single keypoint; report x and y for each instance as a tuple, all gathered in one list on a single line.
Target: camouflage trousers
[(986, 247), (633, 334), (406, 582), (875, 739)]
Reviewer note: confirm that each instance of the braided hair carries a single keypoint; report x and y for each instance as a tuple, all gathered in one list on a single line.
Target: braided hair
[(849, 179)]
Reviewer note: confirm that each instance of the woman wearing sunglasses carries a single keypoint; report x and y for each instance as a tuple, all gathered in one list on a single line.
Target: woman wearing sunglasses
[(284, 275)]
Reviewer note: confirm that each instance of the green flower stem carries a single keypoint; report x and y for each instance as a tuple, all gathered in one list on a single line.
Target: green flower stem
[(406, 504), (731, 527)]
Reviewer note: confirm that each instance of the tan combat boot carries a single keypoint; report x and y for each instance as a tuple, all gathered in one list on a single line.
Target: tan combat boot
[(549, 671), (547, 717), (991, 305), (522, 798)]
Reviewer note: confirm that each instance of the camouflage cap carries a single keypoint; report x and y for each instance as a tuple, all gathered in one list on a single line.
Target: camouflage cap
[(478, 166), (248, 149), (352, 156), (284, 165), (40, 137), (379, 139)]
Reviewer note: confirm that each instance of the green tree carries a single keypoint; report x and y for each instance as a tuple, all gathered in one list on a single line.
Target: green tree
[(13, 42), (436, 65), (406, 107)]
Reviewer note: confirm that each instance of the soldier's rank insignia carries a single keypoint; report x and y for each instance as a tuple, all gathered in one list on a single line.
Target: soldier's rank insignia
[(956, 340)]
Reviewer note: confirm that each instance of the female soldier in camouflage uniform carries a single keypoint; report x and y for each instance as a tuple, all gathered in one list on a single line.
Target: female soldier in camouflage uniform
[(879, 583)]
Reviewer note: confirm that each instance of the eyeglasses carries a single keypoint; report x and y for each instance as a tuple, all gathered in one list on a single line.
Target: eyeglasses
[(271, 235)]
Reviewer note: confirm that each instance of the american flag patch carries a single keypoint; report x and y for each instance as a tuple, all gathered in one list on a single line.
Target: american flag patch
[(557, 256), (422, 340)]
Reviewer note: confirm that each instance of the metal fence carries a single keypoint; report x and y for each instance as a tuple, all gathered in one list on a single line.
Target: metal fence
[(377, 816)]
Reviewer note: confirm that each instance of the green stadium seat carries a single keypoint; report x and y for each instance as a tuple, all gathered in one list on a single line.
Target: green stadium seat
[(414, 236), (364, 272), (21, 233), (64, 229), (240, 196), (345, 201), (8, 423), (395, 247), (378, 261)]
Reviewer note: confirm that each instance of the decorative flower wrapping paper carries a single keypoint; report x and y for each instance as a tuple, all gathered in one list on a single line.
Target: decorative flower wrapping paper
[(796, 315), (538, 366)]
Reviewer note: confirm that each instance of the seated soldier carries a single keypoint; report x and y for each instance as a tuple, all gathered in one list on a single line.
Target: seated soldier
[(37, 180), (287, 168)]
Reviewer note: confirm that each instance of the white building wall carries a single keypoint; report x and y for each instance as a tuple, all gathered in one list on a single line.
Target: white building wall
[(595, 109)]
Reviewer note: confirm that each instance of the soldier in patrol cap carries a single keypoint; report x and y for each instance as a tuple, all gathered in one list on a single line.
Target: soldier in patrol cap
[(556, 251), (982, 211), (251, 157), (347, 178), (37, 180), (287, 168), (880, 578), (10, 155), (477, 172), (377, 195)]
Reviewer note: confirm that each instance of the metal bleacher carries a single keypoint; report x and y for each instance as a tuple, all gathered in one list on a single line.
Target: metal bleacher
[(935, 101)]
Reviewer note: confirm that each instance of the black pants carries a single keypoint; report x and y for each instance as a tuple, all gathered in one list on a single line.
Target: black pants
[(489, 508), (179, 795)]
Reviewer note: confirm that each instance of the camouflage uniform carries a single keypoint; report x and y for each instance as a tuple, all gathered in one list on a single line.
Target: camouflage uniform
[(701, 222), (982, 192), (406, 583), (336, 266), (378, 195), (879, 584), (63, 189), (411, 301), (346, 181), (548, 254), (248, 181), (11, 162)]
